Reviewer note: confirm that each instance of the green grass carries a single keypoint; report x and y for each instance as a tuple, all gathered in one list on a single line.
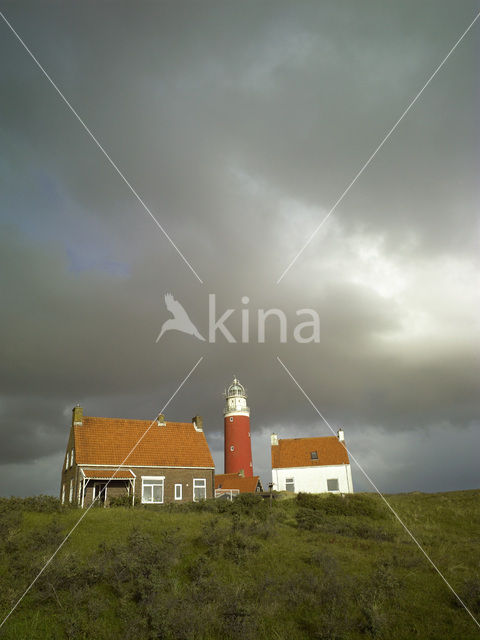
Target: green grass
[(310, 567)]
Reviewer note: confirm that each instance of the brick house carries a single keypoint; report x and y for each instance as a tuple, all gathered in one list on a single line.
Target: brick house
[(154, 464), (311, 465), (231, 484)]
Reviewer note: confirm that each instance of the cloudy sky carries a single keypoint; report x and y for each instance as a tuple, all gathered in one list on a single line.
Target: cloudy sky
[(240, 125)]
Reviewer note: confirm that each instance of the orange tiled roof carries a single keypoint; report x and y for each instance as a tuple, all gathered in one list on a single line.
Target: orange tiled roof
[(109, 441), (234, 481), (108, 473), (296, 452)]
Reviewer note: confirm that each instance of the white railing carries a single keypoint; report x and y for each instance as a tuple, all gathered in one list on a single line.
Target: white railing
[(230, 493)]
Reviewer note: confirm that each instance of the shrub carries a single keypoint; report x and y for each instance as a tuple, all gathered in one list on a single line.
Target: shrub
[(317, 598), (322, 559), (330, 503), (10, 522), (48, 537), (238, 614), (469, 592), (248, 504), (212, 537), (233, 544), (199, 570), (342, 505), (120, 501), (140, 565), (46, 504), (200, 506), (236, 546), (382, 586), (365, 505), (66, 573), (309, 519), (367, 531)]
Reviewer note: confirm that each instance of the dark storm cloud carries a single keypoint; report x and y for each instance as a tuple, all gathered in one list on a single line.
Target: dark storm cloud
[(240, 125)]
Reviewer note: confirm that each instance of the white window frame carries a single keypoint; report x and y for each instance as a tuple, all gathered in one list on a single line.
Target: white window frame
[(333, 490), (151, 481), (178, 491), (63, 493), (199, 483), (71, 457), (71, 492), (290, 481)]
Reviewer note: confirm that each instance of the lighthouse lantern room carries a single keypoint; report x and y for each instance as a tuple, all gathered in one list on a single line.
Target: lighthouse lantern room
[(238, 446)]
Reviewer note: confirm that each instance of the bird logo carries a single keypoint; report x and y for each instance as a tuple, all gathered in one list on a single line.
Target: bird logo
[(180, 320)]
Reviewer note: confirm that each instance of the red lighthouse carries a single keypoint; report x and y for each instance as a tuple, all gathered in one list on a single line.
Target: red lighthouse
[(238, 447)]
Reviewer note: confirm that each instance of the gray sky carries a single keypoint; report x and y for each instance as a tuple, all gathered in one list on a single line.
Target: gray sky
[(240, 124)]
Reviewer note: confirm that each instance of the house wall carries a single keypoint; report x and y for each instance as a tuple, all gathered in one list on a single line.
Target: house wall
[(184, 477), (69, 473), (314, 479), (172, 477)]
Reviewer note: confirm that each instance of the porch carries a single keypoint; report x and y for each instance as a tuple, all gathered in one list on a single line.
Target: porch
[(103, 484)]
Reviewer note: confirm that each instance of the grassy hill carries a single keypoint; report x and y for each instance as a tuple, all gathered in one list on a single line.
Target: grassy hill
[(308, 567)]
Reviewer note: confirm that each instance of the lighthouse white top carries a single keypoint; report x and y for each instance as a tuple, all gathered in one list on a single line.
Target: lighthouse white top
[(236, 389), (236, 399)]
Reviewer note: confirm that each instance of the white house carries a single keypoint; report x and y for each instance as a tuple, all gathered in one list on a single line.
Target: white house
[(311, 465)]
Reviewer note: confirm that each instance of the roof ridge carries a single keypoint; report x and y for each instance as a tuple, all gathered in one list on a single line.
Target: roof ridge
[(142, 420)]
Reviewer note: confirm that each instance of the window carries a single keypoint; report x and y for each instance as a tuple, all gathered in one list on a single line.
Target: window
[(332, 484), (152, 489), (71, 491), (313, 455), (63, 493), (231, 419), (178, 492), (71, 457), (199, 489), (289, 484)]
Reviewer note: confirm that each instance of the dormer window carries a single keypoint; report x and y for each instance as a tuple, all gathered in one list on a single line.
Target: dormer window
[(313, 455)]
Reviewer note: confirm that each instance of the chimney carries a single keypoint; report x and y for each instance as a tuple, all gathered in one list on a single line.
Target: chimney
[(161, 420), (77, 415), (198, 423), (274, 440), (341, 435)]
